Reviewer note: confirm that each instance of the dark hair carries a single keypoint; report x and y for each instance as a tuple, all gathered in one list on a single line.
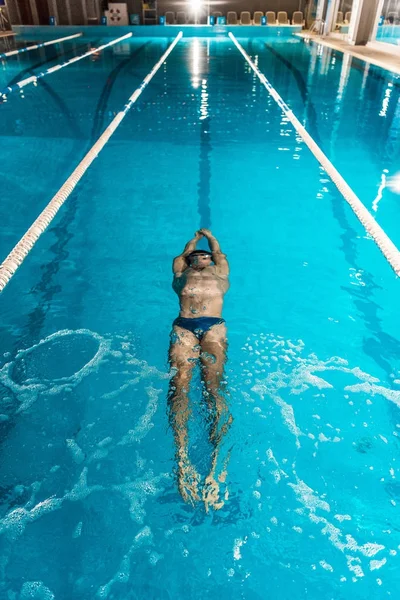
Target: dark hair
[(196, 252), (199, 252)]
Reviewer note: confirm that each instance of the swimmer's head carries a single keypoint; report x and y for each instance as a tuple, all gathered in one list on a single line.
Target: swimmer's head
[(199, 259)]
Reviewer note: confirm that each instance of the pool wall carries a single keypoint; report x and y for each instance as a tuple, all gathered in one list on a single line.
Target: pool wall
[(159, 30)]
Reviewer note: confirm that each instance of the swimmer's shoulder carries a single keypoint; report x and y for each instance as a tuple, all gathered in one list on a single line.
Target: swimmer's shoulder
[(216, 273)]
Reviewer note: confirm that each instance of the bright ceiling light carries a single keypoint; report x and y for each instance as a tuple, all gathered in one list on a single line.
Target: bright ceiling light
[(195, 5)]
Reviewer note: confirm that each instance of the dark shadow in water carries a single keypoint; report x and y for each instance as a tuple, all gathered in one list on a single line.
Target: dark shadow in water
[(311, 113), (29, 70), (74, 125), (105, 94), (205, 174), (45, 289), (381, 347)]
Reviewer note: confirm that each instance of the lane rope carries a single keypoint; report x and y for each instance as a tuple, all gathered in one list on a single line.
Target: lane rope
[(26, 243), (41, 45), (382, 240), (33, 79)]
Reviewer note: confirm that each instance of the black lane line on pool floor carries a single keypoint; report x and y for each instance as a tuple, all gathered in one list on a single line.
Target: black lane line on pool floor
[(381, 347), (29, 70), (204, 185), (16, 257), (98, 120), (311, 112), (371, 226), (45, 289)]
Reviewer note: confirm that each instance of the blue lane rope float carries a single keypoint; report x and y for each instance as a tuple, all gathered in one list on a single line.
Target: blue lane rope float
[(26, 243), (382, 240), (33, 79), (36, 46)]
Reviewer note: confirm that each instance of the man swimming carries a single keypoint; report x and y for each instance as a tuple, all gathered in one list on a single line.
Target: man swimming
[(199, 333)]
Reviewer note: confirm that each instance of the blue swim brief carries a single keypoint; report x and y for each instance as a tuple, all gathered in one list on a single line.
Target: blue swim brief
[(199, 325)]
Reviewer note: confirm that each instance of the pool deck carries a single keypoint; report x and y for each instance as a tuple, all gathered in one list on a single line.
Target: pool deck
[(386, 57), (6, 33)]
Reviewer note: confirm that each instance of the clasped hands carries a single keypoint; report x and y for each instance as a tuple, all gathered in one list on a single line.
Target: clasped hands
[(203, 233)]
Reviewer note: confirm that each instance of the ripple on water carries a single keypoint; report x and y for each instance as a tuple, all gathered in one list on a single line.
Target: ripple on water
[(59, 356), (59, 361)]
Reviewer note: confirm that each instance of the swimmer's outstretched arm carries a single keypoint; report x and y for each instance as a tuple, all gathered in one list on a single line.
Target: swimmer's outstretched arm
[(180, 264), (212, 240), (218, 256)]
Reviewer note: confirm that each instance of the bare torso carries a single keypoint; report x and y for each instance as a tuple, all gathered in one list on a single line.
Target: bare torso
[(201, 292)]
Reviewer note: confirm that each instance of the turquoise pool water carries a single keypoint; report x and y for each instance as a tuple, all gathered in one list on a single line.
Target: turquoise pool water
[(89, 505), (389, 34)]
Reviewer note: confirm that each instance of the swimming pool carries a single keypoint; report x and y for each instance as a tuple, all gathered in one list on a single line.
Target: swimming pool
[(389, 34), (89, 504)]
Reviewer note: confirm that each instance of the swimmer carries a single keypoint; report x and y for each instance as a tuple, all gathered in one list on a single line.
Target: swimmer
[(201, 279)]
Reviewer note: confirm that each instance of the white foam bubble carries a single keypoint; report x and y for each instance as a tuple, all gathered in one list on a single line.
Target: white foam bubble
[(155, 557), (326, 566), (277, 473), (287, 411), (342, 518), (238, 543), (145, 424), (77, 453), (105, 442), (144, 536), (307, 496), (13, 523), (81, 490), (377, 564), (35, 590), (371, 548), (78, 530), (137, 491), (354, 566), (372, 389)]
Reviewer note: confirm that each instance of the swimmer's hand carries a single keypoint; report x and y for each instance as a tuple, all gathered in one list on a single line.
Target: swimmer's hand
[(206, 232), (198, 235)]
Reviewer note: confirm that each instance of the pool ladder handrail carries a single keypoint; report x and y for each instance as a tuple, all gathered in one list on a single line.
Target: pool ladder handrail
[(317, 26)]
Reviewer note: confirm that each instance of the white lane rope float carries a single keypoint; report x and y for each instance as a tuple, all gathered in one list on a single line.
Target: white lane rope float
[(385, 244), (33, 79), (18, 254), (36, 46)]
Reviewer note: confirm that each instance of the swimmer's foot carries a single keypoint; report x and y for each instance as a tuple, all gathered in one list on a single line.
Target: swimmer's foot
[(188, 482), (212, 496)]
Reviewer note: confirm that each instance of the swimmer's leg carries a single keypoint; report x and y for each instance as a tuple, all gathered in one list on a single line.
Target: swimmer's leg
[(213, 359), (183, 353)]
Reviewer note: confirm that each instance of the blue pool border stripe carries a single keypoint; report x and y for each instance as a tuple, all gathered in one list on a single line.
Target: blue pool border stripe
[(166, 31), (34, 78), (18, 254), (382, 240), (41, 45)]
